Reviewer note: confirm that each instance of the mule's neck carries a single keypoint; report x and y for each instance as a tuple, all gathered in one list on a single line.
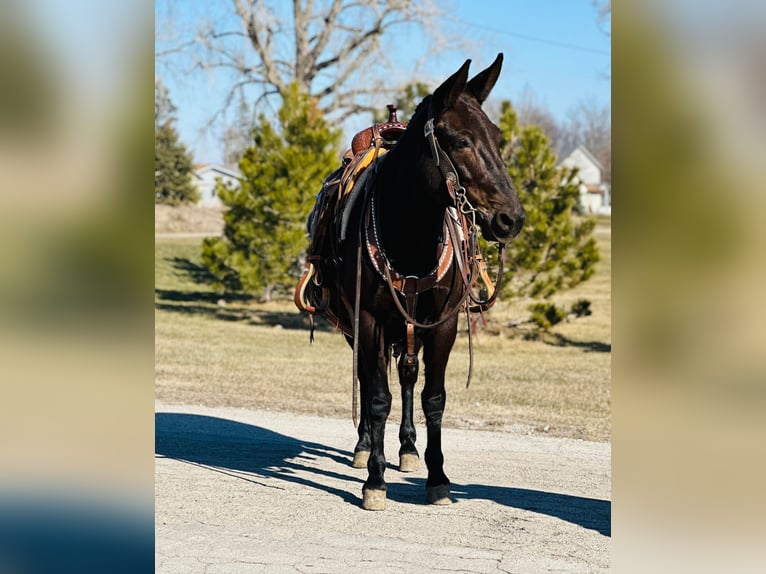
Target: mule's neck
[(411, 201)]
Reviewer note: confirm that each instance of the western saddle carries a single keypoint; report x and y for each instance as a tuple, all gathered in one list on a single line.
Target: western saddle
[(328, 219)]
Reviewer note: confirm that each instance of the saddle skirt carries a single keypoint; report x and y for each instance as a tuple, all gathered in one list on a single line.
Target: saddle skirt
[(327, 225)]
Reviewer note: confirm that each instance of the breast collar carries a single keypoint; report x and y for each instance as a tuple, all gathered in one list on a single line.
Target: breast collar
[(407, 284), (410, 285)]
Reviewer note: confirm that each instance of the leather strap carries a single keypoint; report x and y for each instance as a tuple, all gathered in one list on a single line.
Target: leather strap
[(380, 262), (410, 358)]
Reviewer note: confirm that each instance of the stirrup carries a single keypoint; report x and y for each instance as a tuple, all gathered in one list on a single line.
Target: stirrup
[(300, 292)]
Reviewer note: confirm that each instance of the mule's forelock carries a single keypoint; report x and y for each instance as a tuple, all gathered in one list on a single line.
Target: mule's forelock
[(447, 94), (483, 82)]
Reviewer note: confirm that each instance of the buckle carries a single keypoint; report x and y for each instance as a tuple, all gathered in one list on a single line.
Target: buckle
[(410, 285), (429, 133), (429, 129)]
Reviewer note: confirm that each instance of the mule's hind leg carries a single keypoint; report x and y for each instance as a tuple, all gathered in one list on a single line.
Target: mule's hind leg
[(436, 350), (409, 459)]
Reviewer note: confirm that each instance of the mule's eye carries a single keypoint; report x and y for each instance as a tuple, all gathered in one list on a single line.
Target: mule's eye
[(462, 143)]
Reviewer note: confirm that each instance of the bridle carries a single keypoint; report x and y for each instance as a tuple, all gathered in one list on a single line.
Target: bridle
[(463, 214)]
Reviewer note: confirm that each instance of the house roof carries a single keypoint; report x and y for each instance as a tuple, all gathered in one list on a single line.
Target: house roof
[(202, 168), (568, 151)]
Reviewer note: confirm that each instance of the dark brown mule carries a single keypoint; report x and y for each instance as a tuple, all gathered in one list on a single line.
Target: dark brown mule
[(410, 256)]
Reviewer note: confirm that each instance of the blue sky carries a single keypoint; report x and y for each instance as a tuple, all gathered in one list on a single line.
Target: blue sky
[(554, 49)]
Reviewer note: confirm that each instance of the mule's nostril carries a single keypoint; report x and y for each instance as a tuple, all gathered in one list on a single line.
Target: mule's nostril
[(502, 224), (506, 220)]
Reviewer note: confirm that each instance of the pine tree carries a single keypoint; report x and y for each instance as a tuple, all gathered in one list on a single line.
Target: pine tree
[(172, 162), (265, 223), (555, 250)]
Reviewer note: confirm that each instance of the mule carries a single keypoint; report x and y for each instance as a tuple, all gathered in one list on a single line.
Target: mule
[(405, 268)]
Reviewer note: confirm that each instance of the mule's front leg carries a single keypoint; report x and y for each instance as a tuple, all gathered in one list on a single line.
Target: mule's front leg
[(362, 448), (408, 374), (434, 397), (378, 404)]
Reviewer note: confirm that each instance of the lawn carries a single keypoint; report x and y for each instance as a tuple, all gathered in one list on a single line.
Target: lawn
[(237, 352)]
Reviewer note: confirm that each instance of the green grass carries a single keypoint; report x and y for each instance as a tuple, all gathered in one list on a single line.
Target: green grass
[(242, 353)]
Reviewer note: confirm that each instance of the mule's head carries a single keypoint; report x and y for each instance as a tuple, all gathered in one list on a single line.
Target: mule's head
[(471, 141)]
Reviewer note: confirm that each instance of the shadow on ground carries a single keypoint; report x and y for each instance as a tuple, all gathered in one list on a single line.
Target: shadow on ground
[(236, 308), (228, 447), (591, 513), (558, 340), (187, 268), (225, 446), (555, 339), (229, 307)]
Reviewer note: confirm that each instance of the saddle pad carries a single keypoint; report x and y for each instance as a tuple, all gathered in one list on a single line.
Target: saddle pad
[(354, 184)]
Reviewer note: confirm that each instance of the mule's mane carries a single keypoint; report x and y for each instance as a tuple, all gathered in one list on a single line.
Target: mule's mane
[(417, 121), (421, 106)]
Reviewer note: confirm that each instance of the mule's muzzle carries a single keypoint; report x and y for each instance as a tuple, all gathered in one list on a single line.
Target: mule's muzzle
[(506, 225)]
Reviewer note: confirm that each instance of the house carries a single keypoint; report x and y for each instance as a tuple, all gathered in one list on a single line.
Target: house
[(204, 178), (595, 194)]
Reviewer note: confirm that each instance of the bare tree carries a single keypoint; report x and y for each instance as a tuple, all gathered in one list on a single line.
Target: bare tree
[(164, 109), (238, 135), (604, 14), (604, 19), (531, 112), (332, 49), (590, 124)]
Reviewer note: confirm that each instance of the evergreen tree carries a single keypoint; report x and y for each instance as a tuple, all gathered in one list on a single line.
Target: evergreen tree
[(164, 109), (172, 162), (265, 223), (555, 250)]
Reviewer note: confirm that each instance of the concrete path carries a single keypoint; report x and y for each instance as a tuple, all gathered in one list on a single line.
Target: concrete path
[(255, 491)]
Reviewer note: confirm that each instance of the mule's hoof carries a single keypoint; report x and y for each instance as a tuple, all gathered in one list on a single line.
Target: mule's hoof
[(360, 459), (373, 499), (438, 494), (409, 462)]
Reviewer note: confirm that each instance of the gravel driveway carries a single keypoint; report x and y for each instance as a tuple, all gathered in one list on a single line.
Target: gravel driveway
[(256, 491)]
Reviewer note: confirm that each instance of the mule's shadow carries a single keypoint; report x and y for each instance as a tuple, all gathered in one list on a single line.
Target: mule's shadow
[(591, 513), (225, 446), (228, 446)]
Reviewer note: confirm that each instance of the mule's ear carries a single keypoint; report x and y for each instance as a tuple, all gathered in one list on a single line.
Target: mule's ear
[(446, 95), (481, 84)]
